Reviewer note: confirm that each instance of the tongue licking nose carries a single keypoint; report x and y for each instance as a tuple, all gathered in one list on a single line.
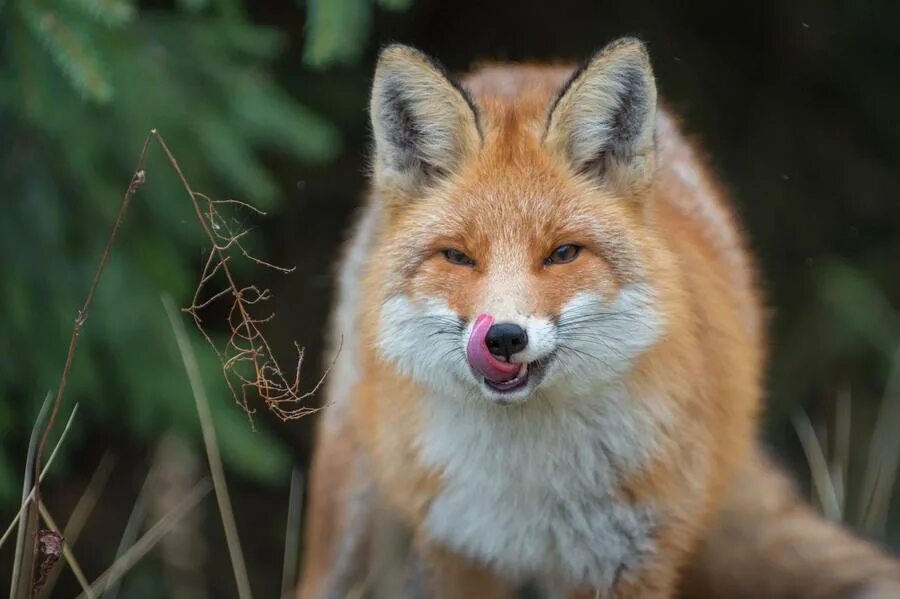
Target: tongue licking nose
[(480, 357)]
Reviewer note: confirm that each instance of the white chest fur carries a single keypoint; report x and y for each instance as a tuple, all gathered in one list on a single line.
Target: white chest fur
[(531, 490)]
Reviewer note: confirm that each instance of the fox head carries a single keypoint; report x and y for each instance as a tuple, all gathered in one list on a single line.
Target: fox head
[(514, 257)]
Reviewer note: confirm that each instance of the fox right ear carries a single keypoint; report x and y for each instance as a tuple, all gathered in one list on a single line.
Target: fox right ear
[(424, 124), (604, 119)]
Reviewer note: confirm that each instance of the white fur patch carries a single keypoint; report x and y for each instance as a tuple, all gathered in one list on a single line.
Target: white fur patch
[(594, 341), (599, 341), (421, 339), (531, 489)]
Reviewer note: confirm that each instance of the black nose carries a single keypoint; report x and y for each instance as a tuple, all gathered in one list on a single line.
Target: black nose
[(505, 339)]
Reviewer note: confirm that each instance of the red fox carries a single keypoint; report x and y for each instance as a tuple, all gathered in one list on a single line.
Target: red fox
[(552, 349)]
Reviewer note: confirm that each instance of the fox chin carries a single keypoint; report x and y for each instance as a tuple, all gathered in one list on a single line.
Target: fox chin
[(552, 355)]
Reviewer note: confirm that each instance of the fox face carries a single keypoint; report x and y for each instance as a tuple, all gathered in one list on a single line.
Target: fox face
[(513, 259)]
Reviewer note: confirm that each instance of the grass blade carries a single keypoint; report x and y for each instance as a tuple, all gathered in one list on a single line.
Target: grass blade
[(840, 468), (81, 512), (292, 534), (818, 466), (27, 489), (147, 542), (129, 535), (67, 554), (44, 471), (884, 457), (212, 451)]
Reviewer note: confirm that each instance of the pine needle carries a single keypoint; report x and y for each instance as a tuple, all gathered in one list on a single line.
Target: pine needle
[(73, 52)]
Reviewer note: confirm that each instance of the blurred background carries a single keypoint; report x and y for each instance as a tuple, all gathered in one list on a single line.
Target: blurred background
[(797, 105)]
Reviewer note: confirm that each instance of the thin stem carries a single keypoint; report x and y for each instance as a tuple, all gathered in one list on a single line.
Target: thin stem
[(137, 180)]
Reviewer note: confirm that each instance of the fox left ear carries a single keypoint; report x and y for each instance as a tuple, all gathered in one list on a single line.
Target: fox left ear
[(604, 119), (424, 124)]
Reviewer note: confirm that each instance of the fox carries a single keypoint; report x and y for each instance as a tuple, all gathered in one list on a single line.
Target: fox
[(548, 353)]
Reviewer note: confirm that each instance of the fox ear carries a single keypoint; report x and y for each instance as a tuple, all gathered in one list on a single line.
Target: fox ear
[(423, 123), (604, 119)]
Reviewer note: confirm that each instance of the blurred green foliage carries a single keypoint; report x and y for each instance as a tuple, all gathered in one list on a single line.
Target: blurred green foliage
[(81, 84), (797, 104), (337, 26)]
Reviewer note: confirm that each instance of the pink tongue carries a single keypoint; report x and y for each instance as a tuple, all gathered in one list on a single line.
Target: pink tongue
[(480, 357)]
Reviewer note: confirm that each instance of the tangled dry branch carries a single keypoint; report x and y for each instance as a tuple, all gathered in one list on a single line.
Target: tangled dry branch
[(248, 363)]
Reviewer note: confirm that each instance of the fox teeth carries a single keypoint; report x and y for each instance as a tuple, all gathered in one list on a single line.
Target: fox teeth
[(523, 370)]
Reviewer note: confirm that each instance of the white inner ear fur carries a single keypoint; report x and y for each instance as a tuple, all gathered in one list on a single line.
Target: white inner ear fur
[(605, 119), (422, 123)]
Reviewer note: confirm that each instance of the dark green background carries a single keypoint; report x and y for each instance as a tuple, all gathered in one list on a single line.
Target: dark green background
[(797, 105)]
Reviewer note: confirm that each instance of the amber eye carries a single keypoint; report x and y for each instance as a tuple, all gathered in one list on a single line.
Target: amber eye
[(457, 257), (563, 254)]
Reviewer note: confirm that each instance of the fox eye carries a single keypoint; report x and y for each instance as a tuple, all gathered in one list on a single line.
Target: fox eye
[(457, 257), (563, 254)]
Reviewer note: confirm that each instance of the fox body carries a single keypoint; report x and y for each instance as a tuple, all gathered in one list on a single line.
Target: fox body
[(551, 352)]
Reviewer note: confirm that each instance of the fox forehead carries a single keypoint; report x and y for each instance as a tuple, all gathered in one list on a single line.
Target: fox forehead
[(522, 93), (513, 193), (508, 210), (509, 231)]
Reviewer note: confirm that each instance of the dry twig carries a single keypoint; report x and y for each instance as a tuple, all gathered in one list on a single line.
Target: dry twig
[(137, 180), (248, 363)]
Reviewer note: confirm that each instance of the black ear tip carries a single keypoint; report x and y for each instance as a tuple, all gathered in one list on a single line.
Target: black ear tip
[(626, 46), (393, 47), (399, 51), (633, 39), (628, 41)]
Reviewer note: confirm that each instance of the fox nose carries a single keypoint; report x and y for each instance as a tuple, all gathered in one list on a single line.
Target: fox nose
[(505, 339)]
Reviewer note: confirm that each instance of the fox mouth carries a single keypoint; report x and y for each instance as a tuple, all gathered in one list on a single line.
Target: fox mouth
[(498, 374), (527, 373)]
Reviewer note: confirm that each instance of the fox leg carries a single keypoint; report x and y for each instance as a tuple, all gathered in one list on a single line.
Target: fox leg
[(338, 518), (449, 576), (660, 587), (658, 581), (769, 543), (631, 593), (353, 544), (657, 584)]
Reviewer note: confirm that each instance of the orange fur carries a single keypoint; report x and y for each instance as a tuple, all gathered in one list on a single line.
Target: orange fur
[(506, 194)]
